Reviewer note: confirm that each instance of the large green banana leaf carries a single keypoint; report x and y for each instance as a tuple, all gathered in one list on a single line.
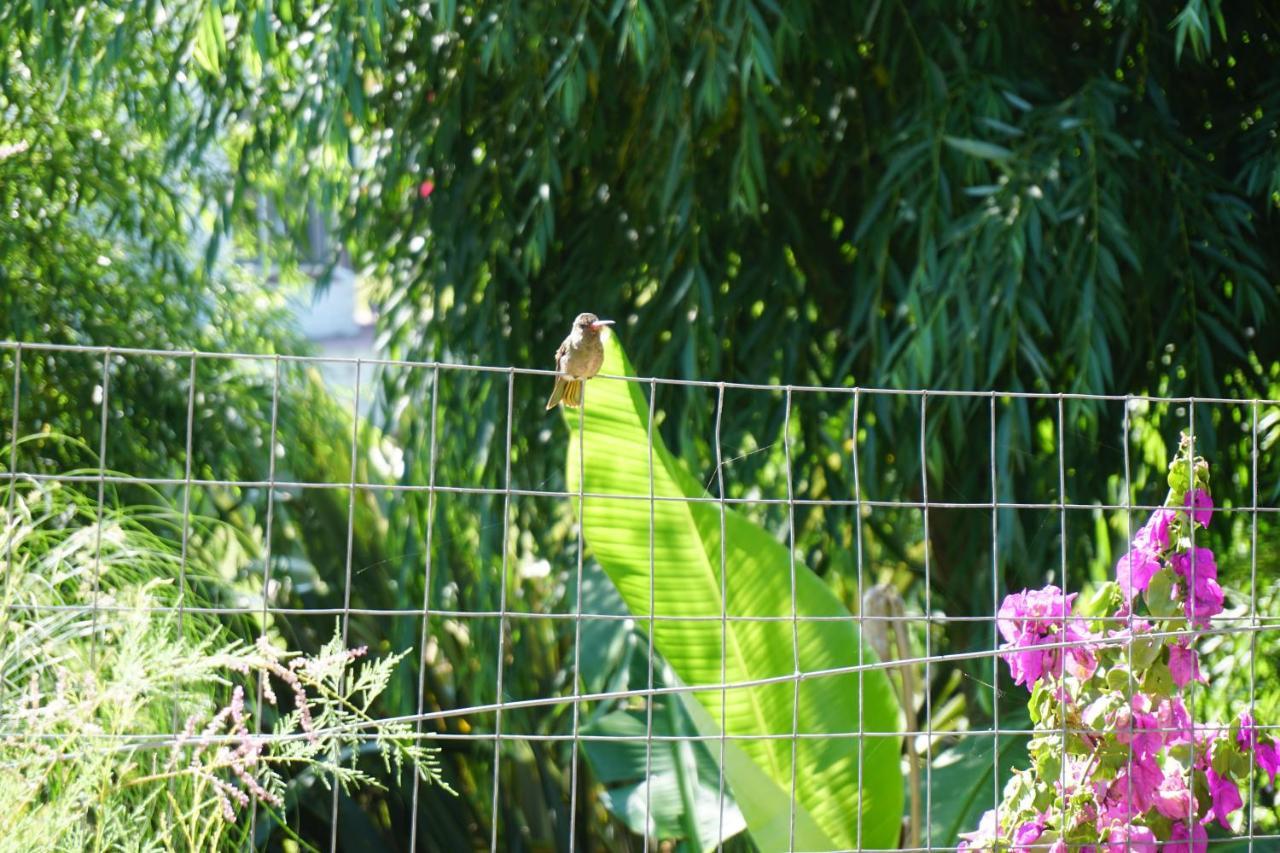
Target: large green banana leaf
[(830, 803)]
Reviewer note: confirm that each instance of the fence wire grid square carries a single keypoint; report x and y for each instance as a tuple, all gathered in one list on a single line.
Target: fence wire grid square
[(1236, 621)]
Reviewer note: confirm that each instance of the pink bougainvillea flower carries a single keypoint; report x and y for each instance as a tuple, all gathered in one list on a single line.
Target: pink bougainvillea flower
[(1131, 839), (1175, 721), (1247, 737), (984, 837), (1153, 536), (1264, 753), (1027, 834), (1134, 789), (1134, 571), (1034, 618), (1174, 799), (1226, 798), (1187, 838), (1268, 757), (1204, 598), (1136, 724), (1203, 506), (1204, 566), (426, 188), (1135, 568), (1204, 602), (1184, 665)]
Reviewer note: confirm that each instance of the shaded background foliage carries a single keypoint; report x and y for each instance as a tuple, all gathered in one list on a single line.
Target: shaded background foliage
[(1024, 197)]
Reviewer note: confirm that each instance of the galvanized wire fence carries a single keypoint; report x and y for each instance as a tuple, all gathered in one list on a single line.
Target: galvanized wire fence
[(1246, 619)]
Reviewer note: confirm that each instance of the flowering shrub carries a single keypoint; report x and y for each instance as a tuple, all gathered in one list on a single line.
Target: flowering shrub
[(1136, 773)]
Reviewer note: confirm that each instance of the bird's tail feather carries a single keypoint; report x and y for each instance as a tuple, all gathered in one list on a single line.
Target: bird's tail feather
[(567, 391), (572, 398), (556, 393)]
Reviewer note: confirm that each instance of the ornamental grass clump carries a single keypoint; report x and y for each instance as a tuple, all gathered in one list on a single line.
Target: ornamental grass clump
[(1137, 773)]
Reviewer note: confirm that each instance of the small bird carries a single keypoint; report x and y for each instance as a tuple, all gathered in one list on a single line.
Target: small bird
[(579, 358)]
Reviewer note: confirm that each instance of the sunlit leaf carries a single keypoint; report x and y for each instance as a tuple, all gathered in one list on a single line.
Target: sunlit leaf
[(686, 547)]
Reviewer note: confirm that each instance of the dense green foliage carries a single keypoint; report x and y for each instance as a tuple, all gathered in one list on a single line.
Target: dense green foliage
[(912, 196), (1060, 197)]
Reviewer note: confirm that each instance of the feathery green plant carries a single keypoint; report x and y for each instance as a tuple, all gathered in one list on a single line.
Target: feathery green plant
[(99, 659)]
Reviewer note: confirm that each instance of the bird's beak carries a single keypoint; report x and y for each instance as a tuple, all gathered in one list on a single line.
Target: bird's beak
[(599, 324)]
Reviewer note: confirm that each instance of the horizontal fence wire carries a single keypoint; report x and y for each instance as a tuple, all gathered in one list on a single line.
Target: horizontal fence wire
[(1228, 624), (640, 380)]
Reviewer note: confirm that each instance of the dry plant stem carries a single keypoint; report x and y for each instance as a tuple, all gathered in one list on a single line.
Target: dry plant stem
[(882, 600)]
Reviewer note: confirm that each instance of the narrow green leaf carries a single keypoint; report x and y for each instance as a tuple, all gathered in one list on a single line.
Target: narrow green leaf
[(978, 148), (210, 40)]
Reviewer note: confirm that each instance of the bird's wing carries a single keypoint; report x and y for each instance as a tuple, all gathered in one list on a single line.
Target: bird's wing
[(561, 353)]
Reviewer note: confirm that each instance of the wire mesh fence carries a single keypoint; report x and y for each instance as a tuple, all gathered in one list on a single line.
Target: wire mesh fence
[(924, 648)]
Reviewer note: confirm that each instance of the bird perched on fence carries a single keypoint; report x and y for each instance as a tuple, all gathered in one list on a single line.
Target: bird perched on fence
[(578, 359)]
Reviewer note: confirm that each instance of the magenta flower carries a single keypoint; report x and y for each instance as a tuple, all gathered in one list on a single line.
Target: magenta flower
[(1134, 571), (1175, 721), (1184, 665), (1205, 565), (1135, 568), (1247, 737), (1204, 596), (1153, 537), (1174, 799), (982, 838), (1134, 789), (1203, 506), (1205, 602), (1034, 618), (1268, 758), (1131, 839), (1136, 724), (1226, 798), (1265, 754), (1027, 834), (1187, 838)]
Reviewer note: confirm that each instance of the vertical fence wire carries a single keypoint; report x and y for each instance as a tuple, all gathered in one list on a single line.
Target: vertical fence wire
[(426, 601), (102, 499), (995, 626), (577, 619), (1192, 630), (502, 618), (11, 523), (266, 559), (1253, 597), (861, 621), (927, 688), (346, 587), (182, 565), (186, 504), (1062, 552), (1128, 611), (724, 624), (795, 619), (648, 715)]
